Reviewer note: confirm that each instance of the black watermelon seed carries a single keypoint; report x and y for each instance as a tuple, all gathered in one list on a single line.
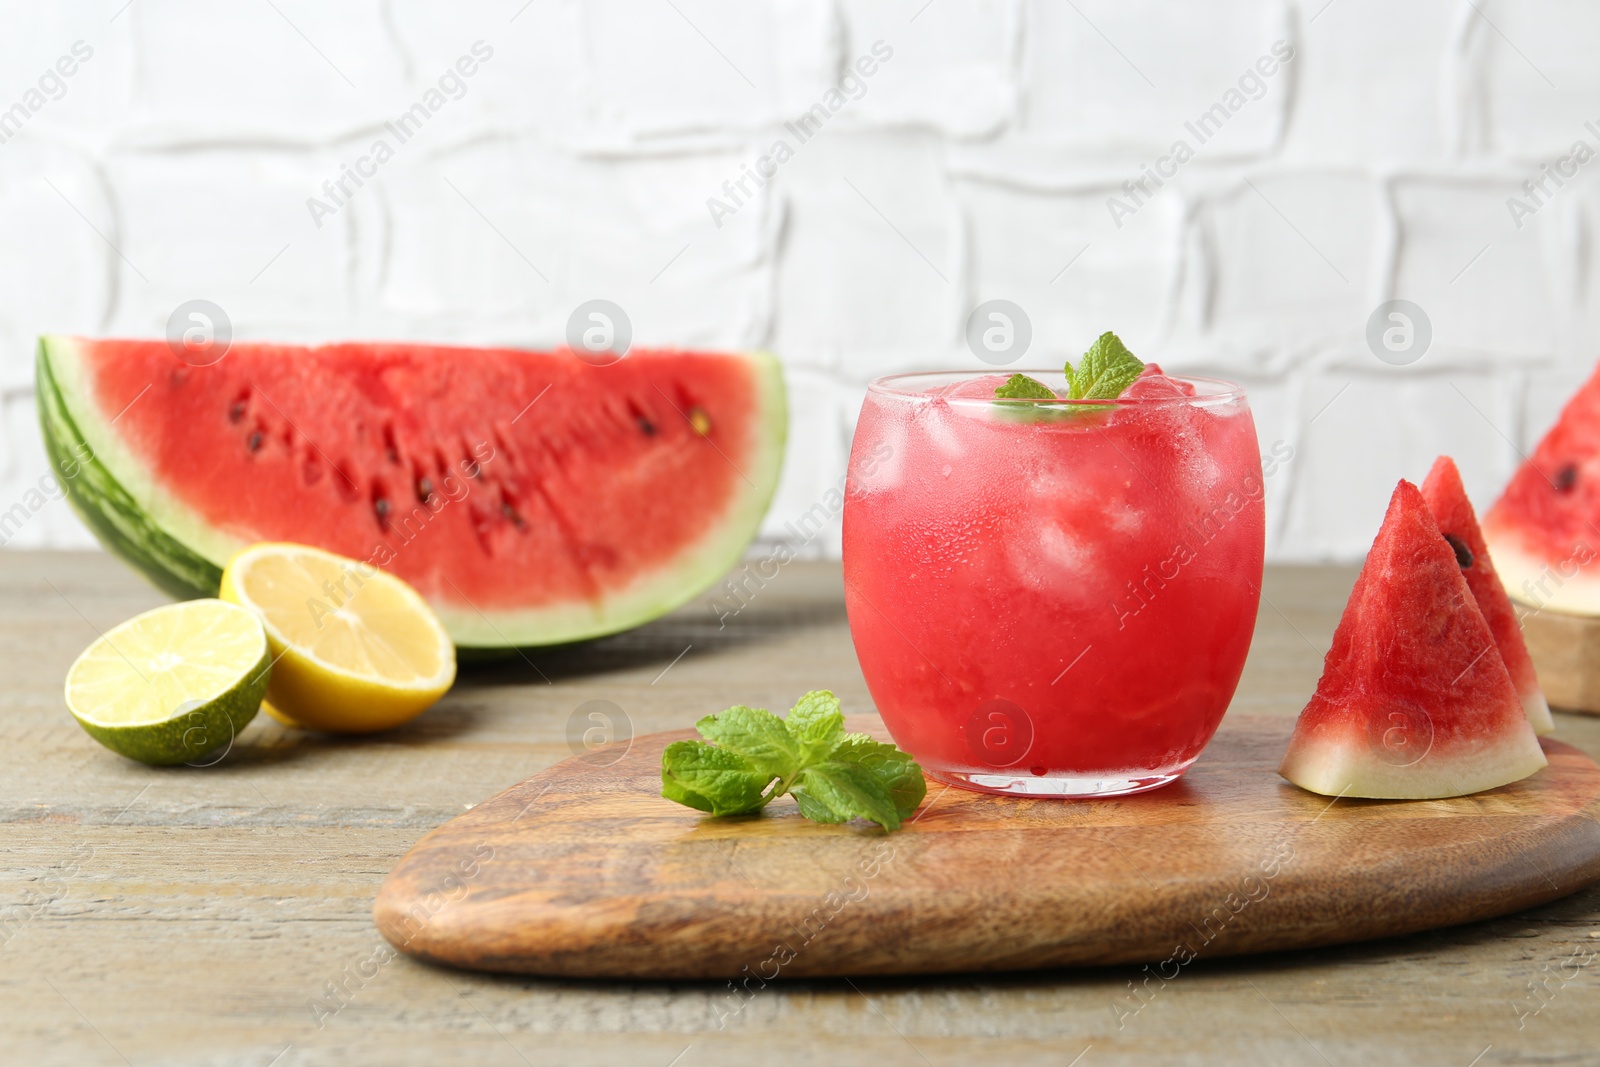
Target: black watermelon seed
[(1566, 478), (254, 443), (1463, 553), (647, 426), (380, 507), (424, 490), (236, 412)]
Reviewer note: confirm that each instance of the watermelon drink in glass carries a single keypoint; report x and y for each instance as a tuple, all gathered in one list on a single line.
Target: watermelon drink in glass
[(1052, 597)]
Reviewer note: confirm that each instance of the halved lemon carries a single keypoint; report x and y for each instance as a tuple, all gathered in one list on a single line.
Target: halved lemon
[(354, 649), (173, 685)]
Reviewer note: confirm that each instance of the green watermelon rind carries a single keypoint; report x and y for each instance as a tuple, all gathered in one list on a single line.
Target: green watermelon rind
[(97, 495), (183, 555)]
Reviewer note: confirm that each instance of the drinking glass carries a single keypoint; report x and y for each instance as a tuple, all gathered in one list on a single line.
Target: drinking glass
[(1053, 598)]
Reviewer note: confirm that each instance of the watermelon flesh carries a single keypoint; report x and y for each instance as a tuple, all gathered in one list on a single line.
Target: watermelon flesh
[(1414, 700), (1544, 531), (1447, 502), (532, 498)]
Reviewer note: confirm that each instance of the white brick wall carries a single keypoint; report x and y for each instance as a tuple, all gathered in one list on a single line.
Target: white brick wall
[(976, 163)]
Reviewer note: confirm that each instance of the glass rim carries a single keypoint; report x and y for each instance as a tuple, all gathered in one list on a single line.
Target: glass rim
[(913, 385)]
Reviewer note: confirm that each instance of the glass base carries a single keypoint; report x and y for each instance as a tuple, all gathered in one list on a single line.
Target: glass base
[(1060, 786)]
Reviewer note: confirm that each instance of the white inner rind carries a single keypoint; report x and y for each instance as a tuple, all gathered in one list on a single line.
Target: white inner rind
[(1539, 583), (1340, 761)]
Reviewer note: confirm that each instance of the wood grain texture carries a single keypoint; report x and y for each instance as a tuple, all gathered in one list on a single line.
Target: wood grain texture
[(1566, 654), (198, 917), (585, 871)]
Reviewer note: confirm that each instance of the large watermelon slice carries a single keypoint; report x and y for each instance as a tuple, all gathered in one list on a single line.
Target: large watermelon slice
[(1448, 503), (1414, 700), (531, 497), (1544, 531)]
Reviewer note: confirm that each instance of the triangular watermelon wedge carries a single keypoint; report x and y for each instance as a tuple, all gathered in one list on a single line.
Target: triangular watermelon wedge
[(1414, 701), (1447, 500), (1544, 531)]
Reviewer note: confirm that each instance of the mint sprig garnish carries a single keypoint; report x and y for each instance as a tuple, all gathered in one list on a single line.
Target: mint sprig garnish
[(1022, 387), (750, 756), (1105, 371)]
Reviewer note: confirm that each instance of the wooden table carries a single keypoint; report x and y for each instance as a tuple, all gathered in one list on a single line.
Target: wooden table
[(202, 916)]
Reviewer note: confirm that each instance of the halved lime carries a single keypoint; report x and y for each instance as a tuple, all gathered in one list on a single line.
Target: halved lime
[(172, 685)]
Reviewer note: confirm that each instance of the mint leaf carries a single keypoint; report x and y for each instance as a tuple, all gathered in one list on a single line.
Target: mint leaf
[(1022, 387), (817, 723), (753, 756), (711, 779), (847, 791), (816, 810), (1106, 370), (898, 772), (757, 735)]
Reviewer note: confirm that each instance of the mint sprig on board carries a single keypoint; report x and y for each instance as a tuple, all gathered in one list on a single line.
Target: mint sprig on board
[(1104, 373), (750, 756)]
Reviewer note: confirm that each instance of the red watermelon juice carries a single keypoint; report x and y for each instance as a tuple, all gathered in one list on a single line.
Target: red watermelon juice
[(1053, 598)]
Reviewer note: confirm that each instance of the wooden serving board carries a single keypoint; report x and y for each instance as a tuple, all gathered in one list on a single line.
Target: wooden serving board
[(584, 870)]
